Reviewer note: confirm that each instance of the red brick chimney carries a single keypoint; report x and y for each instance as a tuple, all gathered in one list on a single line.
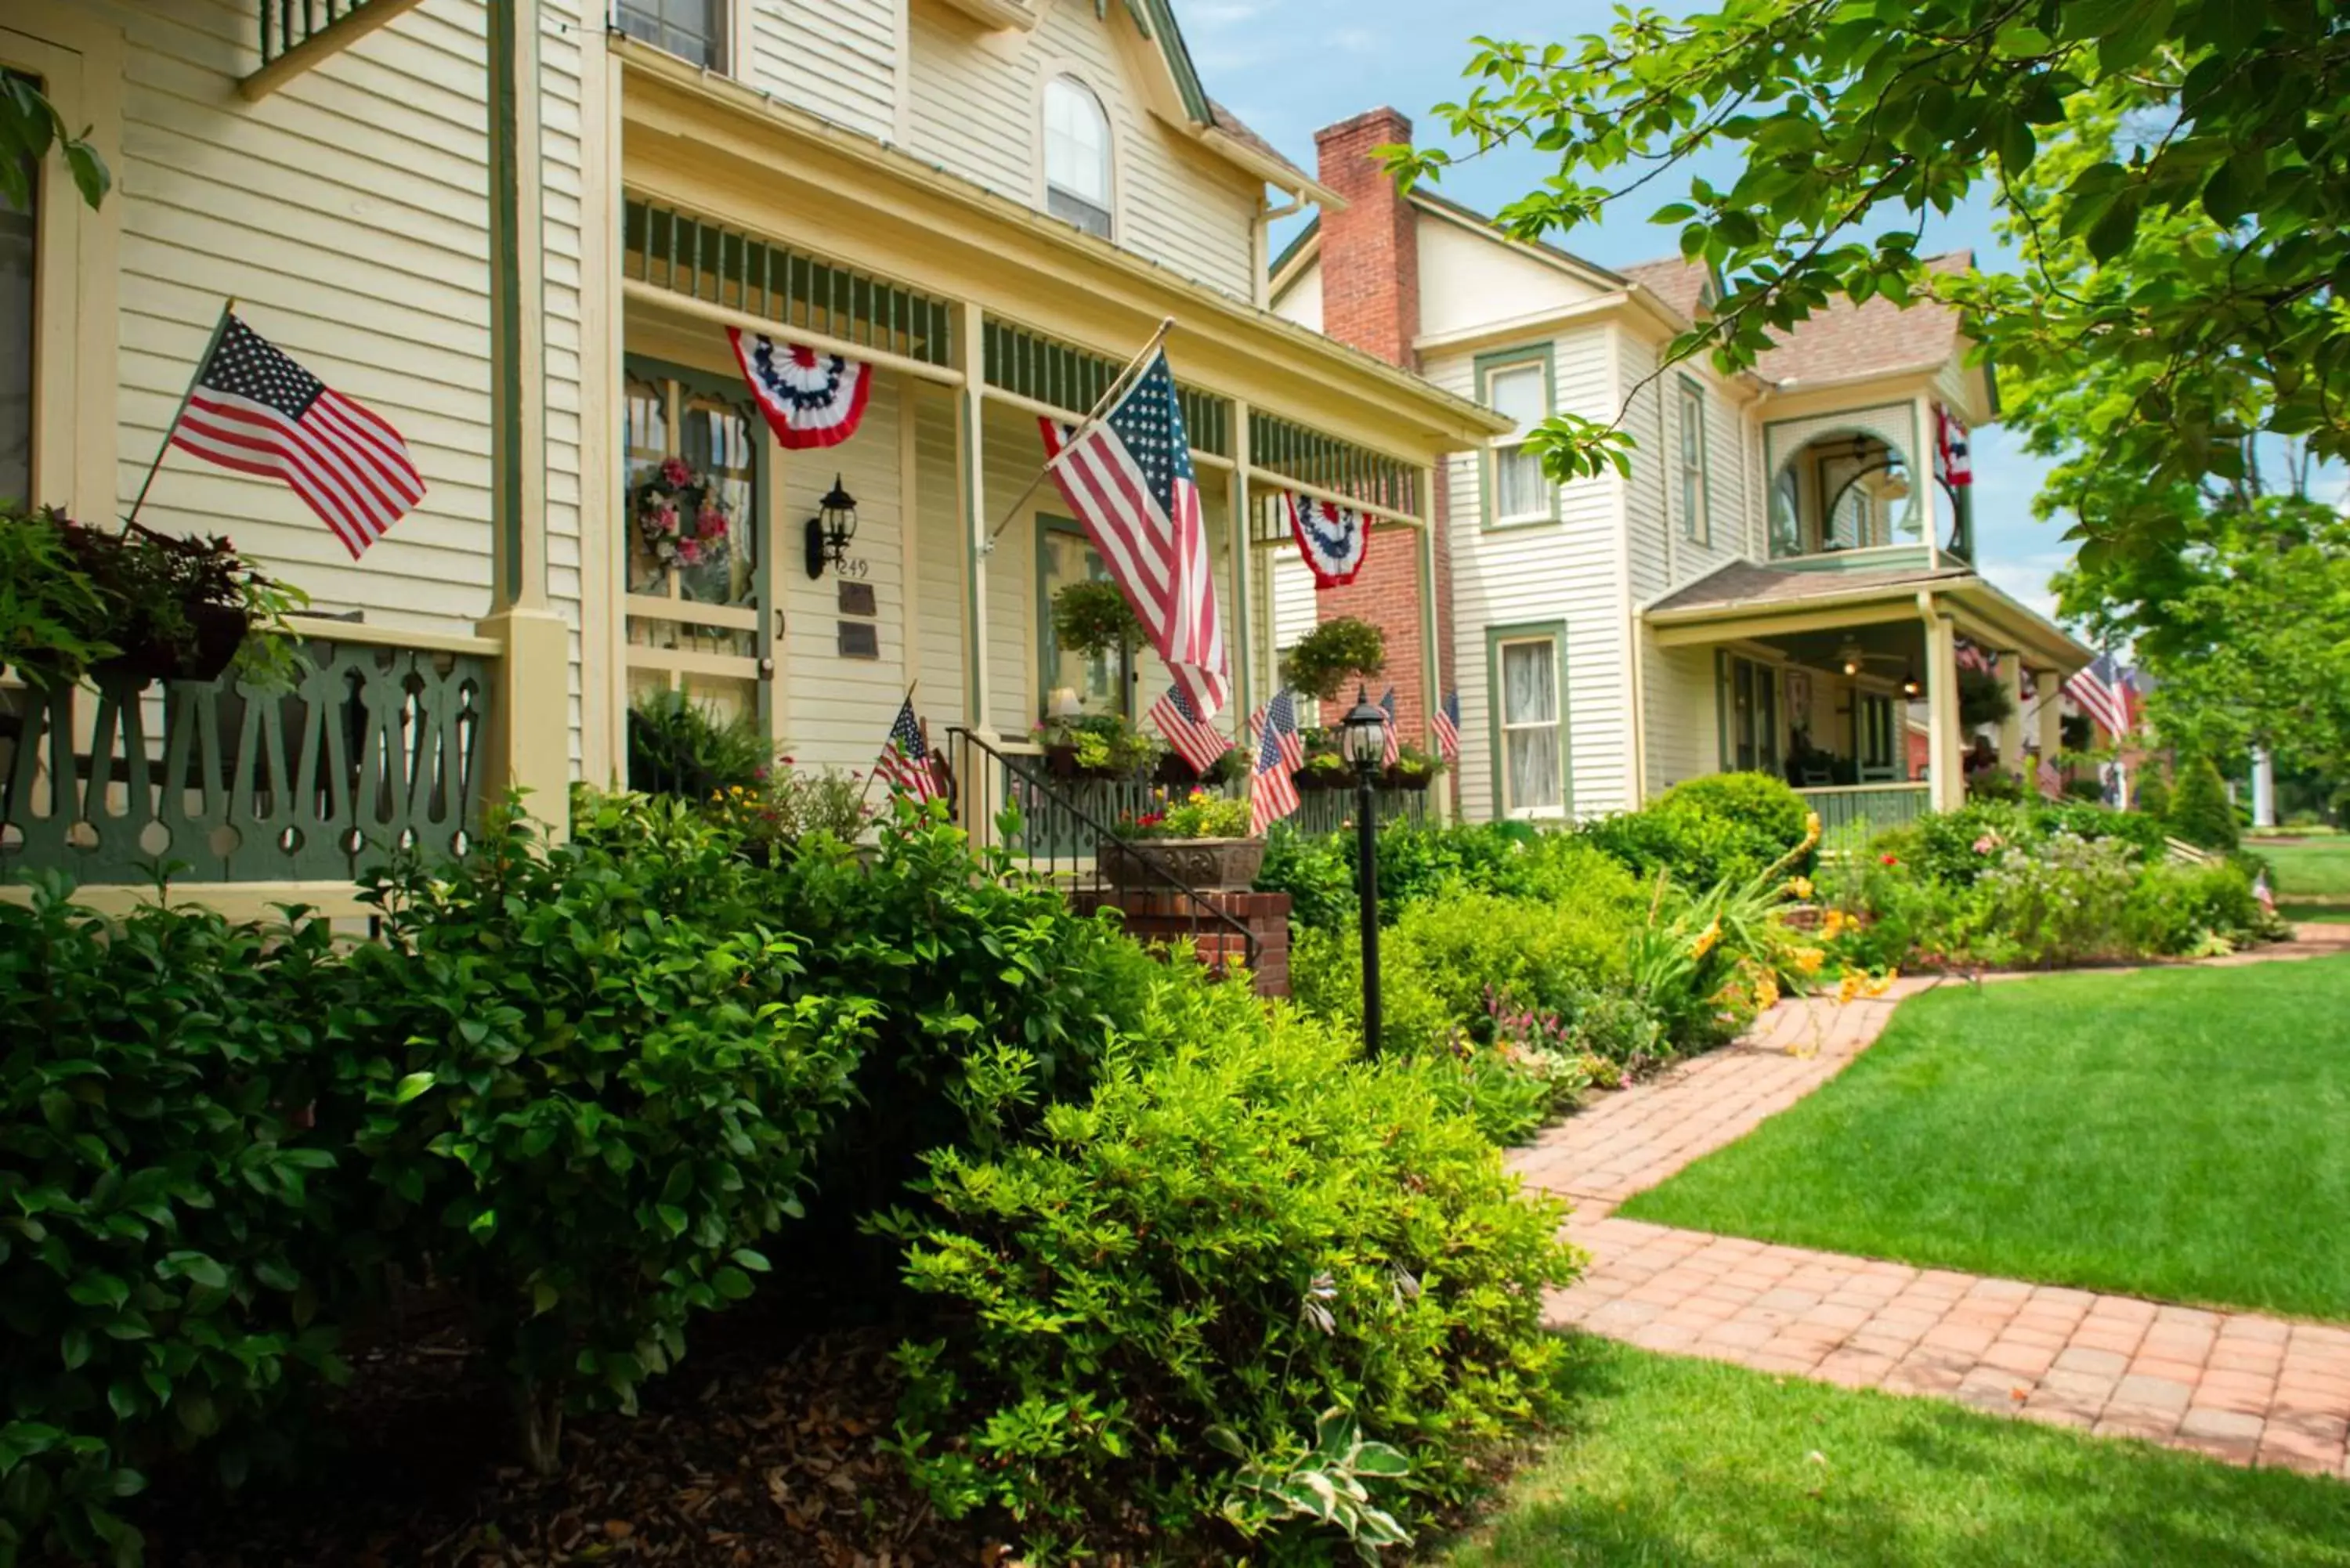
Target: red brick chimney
[(1370, 300)]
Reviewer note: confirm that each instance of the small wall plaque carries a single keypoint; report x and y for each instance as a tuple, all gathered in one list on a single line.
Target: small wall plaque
[(859, 639), (856, 598)]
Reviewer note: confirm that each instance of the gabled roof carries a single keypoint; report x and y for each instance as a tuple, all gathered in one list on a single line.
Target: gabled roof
[(1226, 133), (1843, 341)]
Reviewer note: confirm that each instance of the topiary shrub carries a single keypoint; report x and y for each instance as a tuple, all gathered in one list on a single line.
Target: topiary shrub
[(1153, 1301), (168, 1217), (2200, 812), (591, 1088), (1764, 804), (2153, 797)]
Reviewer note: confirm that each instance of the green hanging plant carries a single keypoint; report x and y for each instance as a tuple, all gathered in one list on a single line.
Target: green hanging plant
[(1983, 699), (1093, 619), (1338, 651)]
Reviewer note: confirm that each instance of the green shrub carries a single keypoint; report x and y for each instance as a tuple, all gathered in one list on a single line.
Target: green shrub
[(595, 1089), (2154, 796), (1763, 803), (1240, 1235), (167, 1222), (2060, 901), (2200, 812), (1316, 871), (1726, 828), (687, 749), (2179, 909)]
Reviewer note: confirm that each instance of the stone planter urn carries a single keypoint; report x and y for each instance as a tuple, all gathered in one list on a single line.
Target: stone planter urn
[(1203, 865)]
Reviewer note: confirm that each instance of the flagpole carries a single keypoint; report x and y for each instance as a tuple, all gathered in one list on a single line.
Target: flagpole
[(228, 308), (1109, 395)]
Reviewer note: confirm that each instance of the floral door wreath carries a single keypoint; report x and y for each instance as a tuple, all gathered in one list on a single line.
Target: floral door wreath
[(683, 517)]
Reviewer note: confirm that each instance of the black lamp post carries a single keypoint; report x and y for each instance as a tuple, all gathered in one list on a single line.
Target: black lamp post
[(1366, 737)]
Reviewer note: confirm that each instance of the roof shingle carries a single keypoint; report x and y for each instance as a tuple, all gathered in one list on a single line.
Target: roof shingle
[(1841, 342)]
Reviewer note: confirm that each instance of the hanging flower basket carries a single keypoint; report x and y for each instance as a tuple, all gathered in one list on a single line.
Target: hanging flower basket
[(684, 518), (200, 650)]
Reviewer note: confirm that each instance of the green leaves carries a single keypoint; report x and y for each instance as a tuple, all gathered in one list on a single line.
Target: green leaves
[(29, 126)]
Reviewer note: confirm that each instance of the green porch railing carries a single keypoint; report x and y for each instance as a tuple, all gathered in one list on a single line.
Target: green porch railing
[(1321, 811), (1293, 450), (377, 749), (1030, 364), (1852, 814)]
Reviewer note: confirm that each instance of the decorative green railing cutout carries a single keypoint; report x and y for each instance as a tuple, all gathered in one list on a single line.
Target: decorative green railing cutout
[(766, 278), (376, 750)]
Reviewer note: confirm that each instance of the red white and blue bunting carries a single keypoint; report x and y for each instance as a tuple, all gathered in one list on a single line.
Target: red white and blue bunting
[(1334, 539), (811, 399)]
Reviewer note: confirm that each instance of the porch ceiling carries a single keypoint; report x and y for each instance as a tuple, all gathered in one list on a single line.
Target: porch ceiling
[(721, 150)]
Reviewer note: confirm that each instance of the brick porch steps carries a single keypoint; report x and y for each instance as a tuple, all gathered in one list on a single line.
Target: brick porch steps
[(2240, 1386)]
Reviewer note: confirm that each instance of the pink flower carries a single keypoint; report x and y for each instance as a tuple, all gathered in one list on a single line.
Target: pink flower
[(713, 523), (1986, 844), (674, 472), (665, 520), (689, 551)]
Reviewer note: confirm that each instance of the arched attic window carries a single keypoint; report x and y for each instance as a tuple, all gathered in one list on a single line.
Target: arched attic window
[(1077, 156)]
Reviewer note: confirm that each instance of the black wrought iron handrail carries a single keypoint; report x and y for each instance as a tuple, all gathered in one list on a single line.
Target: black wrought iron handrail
[(1040, 791)]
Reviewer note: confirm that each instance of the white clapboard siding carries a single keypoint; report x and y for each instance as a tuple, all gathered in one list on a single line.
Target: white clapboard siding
[(1683, 728), (348, 212), (975, 105), (838, 709), (938, 561), (1565, 571), (838, 59)]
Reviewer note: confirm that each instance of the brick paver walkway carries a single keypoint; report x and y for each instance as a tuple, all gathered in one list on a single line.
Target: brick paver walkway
[(2240, 1386)]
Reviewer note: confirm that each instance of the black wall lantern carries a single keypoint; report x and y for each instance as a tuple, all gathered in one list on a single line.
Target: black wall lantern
[(831, 529)]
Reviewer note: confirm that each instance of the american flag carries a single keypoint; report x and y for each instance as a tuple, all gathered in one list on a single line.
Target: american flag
[(2051, 783), (1448, 727), (1200, 744), (906, 761), (2102, 693), (1282, 714), (1274, 795), (1392, 744), (1969, 657), (1950, 447), (1129, 479), (255, 410)]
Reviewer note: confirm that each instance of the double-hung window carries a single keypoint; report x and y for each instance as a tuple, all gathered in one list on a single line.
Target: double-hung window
[(1515, 489), (1528, 705), (1695, 495), (692, 30), (1077, 156)]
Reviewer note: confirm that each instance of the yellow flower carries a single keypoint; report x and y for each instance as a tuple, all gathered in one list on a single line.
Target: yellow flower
[(1706, 939), (1811, 829), (1766, 990), (1808, 960), (1853, 981), (1882, 982), (1800, 886), (1833, 923)]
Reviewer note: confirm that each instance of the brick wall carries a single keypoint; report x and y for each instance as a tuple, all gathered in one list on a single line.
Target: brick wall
[(1162, 917), (1370, 300)]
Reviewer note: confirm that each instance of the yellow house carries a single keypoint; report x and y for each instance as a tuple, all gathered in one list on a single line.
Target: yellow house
[(520, 233)]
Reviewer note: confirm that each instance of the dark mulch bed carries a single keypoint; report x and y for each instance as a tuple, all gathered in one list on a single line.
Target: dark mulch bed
[(742, 1456)]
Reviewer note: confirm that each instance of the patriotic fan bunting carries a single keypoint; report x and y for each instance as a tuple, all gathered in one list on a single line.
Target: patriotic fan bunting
[(2102, 691), (1334, 539), (811, 399), (1950, 449)]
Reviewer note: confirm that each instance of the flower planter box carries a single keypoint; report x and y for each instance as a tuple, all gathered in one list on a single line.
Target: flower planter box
[(1317, 778), (1204, 865), (219, 631)]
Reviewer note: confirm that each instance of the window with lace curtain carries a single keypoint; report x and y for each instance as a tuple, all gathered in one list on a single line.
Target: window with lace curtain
[(1529, 723)]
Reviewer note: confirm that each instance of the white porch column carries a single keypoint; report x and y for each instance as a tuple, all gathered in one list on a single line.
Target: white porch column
[(1949, 785), (971, 410), (2010, 729), (2263, 788), (2049, 713), (1239, 638)]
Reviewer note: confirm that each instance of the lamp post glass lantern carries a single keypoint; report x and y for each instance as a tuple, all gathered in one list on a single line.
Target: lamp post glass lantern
[(1366, 741)]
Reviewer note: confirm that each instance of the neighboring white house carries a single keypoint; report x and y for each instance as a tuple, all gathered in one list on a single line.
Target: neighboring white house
[(1788, 565)]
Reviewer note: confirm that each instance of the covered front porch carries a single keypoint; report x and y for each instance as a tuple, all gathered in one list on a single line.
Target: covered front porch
[(1820, 678), (978, 320)]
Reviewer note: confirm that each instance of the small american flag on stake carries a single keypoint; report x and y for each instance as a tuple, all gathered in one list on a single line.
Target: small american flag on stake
[(906, 763), (1392, 744), (1448, 727), (1274, 794), (1281, 712), (253, 409), (2051, 783), (1196, 741)]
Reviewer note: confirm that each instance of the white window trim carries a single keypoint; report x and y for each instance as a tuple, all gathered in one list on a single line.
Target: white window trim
[(1548, 642), (1513, 443), (75, 424), (1696, 520), (1048, 72)]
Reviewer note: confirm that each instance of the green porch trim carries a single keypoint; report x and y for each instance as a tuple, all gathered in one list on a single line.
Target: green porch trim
[(1875, 559), (505, 294), (1525, 631), (1545, 353), (1295, 452)]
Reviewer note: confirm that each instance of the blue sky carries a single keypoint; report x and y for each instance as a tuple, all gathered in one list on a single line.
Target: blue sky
[(1287, 66)]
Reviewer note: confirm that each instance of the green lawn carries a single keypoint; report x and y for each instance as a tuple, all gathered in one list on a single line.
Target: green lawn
[(1674, 1463), (2183, 1134), (2316, 868), (2323, 914)]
